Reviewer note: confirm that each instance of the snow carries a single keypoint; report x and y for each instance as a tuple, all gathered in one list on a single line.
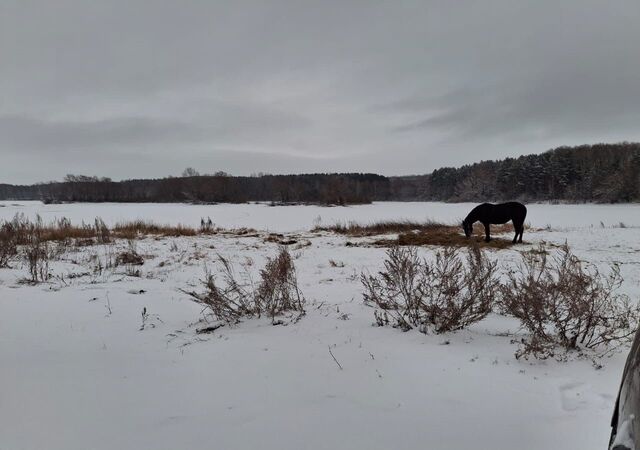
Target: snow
[(261, 216), (78, 373)]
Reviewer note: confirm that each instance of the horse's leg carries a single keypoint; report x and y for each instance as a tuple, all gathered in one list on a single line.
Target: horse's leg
[(519, 226), (487, 232), (521, 231)]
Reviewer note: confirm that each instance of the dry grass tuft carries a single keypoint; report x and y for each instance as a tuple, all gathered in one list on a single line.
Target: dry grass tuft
[(130, 230), (233, 296)]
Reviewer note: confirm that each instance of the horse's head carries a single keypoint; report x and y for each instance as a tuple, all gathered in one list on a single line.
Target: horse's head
[(467, 227)]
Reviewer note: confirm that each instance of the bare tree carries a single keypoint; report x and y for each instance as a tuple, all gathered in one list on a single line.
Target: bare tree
[(190, 172)]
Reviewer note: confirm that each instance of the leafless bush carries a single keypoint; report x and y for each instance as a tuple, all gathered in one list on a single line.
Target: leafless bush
[(445, 295), (18, 227), (562, 302), (231, 296), (8, 243), (37, 252)]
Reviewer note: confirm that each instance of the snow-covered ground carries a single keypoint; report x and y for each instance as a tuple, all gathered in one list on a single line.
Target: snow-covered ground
[(297, 218), (76, 371)]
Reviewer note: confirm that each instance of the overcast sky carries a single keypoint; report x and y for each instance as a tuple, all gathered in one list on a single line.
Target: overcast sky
[(146, 88)]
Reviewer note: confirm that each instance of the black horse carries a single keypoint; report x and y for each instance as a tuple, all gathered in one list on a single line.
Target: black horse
[(488, 213)]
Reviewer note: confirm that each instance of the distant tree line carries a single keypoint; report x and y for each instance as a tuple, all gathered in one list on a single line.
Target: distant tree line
[(338, 189), (607, 173)]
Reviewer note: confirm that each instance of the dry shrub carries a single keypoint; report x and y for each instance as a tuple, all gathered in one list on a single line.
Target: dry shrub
[(278, 289), (18, 228), (8, 244), (37, 252), (562, 302), (233, 296), (445, 295)]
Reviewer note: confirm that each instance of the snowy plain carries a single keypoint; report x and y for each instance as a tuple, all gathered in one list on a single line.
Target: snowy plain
[(77, 372), (261, 216)]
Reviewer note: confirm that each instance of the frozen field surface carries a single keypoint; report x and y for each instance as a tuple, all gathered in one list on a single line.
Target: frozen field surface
[(78, 373), (297, 218)]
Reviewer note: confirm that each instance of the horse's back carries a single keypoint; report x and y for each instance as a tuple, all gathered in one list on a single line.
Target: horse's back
[(503, 212), (515, 209), (498, 213)]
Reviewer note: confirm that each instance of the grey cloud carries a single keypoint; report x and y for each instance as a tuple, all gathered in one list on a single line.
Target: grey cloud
[(24, 133), (392, 87)]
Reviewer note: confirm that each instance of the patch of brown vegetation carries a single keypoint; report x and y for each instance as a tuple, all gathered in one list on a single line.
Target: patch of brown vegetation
[(446, 236), (384, 227), (422, 233), (280, 239), (130, 258), (129, 230), (451, 236), (355, 229), (20, 228)]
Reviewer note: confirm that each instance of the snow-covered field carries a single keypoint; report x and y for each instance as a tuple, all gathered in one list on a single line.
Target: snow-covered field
[(76, 371), (297, 218)]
